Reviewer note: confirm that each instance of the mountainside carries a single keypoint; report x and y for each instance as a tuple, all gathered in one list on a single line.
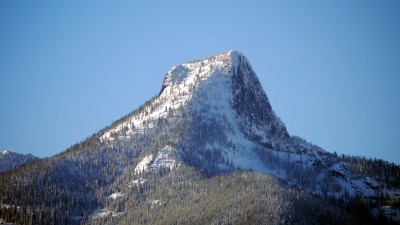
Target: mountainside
[(189, 155), (10, 160)]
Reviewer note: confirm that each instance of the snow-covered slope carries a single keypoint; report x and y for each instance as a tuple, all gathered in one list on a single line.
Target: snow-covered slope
[(232, 125), (10, 160), (222, 88), (226, 78)]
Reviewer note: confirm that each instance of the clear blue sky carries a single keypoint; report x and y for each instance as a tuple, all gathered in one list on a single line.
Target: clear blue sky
[(331, 69)]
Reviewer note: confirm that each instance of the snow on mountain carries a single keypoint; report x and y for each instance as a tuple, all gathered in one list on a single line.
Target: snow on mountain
[(176, 91), (179, 86), (207, 87), (211, 117), (116, 195), (167, 157), (137, 182), (104, 213), (223, 93), (10, 160)]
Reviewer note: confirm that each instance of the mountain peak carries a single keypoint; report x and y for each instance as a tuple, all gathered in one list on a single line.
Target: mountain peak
[(223, 62), (227, 58), (223, 84), (231, 56), (234, 56)]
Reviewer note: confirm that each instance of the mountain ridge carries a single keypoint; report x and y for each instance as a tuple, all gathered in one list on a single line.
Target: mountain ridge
[(211, 120), (224, 89), (11, 160)]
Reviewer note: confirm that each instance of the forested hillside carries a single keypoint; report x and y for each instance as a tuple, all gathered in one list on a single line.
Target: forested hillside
[(208, 149)]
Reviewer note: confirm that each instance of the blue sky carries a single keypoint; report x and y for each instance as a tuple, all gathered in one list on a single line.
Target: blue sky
[(331, 69)]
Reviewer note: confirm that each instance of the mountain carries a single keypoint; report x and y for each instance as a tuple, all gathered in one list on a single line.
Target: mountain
[(10, 160), (207, 149), (222, 94)]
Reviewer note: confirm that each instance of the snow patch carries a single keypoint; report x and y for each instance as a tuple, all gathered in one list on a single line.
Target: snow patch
[(137, 182), (116, 195), (143, 165), (165, 158), (104, 213), (154, 203)]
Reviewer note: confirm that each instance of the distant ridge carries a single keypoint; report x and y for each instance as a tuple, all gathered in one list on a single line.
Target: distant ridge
[(11, 160)]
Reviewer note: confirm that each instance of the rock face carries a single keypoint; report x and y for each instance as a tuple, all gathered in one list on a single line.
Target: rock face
[(257, 119), (10, 160)]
